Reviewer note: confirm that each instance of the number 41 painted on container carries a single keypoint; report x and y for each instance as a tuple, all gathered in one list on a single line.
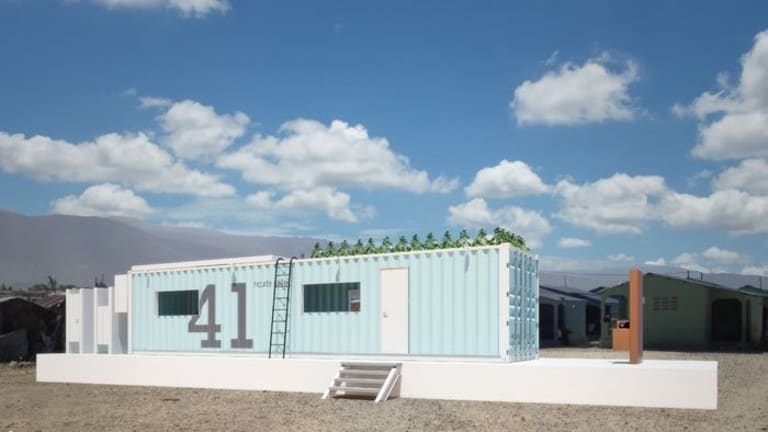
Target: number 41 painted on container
[(211, 328)]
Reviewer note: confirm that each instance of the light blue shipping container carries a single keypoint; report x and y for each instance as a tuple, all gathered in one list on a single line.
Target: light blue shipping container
[(478, 302)]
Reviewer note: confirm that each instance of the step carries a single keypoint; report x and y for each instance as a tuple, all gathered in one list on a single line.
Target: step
[(357, 381), (369, 391), (364, 372), (369, 365)]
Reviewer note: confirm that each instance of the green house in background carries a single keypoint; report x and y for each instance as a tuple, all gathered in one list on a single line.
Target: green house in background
[(691, 314)]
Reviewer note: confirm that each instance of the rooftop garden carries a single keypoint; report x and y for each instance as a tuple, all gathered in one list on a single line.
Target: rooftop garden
[(499, 236)]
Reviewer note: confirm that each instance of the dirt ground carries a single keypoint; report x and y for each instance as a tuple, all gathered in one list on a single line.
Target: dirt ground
[(29, 406)]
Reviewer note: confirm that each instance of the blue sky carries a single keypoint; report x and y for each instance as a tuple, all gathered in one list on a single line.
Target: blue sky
[(602, 133)]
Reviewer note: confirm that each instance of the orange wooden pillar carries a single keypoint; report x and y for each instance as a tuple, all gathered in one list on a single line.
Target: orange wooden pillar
[(635, 316)]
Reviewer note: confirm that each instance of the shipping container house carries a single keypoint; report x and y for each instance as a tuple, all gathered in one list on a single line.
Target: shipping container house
[(462, 302)]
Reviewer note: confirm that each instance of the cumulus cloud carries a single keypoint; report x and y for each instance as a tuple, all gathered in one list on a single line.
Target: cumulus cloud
[(712, 259), (750, 176), (476, 214), (573, 242), (506, 180), (154, 102), (739, 132), (106, 199), (575, 94), (723, 256), (128, 159), (613, 205), (623, 204), (196, 131), (192, 8), (308, 154), (336, 204), (620, 257), (689, 261), (732, 211), (756, 270), (657, 262)]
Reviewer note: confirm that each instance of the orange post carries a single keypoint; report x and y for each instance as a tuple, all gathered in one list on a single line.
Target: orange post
[(635, 316)]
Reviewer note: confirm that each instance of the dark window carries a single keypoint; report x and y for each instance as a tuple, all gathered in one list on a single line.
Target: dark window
[(334, 297), (177, 303)]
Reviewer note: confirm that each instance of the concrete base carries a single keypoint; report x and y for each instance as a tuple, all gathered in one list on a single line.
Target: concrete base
[(654, 383)]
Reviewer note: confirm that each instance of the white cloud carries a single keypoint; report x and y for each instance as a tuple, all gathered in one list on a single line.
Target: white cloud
[(733, 211), (698, 177), (196, 8), (476, 214), (154, 102), (750, 176), (740, 132), (196, 131), (723, 256), (689, 261), (572, 242), (575, 94), (308, 155), (711, 260), (106, 199), (126, 159), (657, 262), (336, 204), (506, 180), (613, 205), (756, 270), (622, 257)]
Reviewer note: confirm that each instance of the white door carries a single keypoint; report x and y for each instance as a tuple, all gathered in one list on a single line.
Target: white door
[(394, 311)]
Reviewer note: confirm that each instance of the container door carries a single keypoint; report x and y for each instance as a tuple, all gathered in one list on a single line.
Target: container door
[(394, 311)]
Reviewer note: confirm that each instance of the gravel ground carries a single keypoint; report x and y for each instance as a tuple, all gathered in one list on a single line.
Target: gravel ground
[(29, 406)]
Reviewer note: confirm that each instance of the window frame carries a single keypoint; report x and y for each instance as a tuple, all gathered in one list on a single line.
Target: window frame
[(351, 286)]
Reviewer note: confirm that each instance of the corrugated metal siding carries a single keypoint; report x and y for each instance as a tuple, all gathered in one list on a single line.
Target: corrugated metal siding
[(523, 306), (453, 305)]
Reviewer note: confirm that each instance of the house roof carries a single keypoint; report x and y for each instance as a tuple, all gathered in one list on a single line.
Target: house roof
[(552, 294), (747, 289)]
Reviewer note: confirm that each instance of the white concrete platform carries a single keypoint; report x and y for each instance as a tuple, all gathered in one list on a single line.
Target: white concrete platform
[(654, 383)]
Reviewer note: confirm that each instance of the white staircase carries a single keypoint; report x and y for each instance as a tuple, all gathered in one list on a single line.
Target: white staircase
[(372, 379)]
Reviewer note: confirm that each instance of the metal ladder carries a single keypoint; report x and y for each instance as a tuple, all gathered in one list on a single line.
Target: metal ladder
[(281, 297), (371, 379)]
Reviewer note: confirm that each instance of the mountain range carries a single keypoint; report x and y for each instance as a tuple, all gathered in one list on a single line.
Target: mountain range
[(76, 249)]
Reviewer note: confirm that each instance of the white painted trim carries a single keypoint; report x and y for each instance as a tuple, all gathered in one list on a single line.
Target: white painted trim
[(653, 383), (222, 262), (504, 254), (129, 344)]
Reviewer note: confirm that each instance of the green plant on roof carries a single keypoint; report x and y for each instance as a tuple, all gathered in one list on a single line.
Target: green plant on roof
[(370, 247), (481, 239), (344, 249), (464, 239), (415, 243), (330, 250), (500, 236), (316, 251), (386, 245), (430, 242), (402, 245), (358, 248), (447, 241)]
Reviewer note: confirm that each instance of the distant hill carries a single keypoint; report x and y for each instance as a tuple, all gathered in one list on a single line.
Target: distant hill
[(74, 249)]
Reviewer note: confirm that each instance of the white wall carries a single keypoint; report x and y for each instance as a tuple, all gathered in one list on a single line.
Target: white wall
[(654, 383)]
